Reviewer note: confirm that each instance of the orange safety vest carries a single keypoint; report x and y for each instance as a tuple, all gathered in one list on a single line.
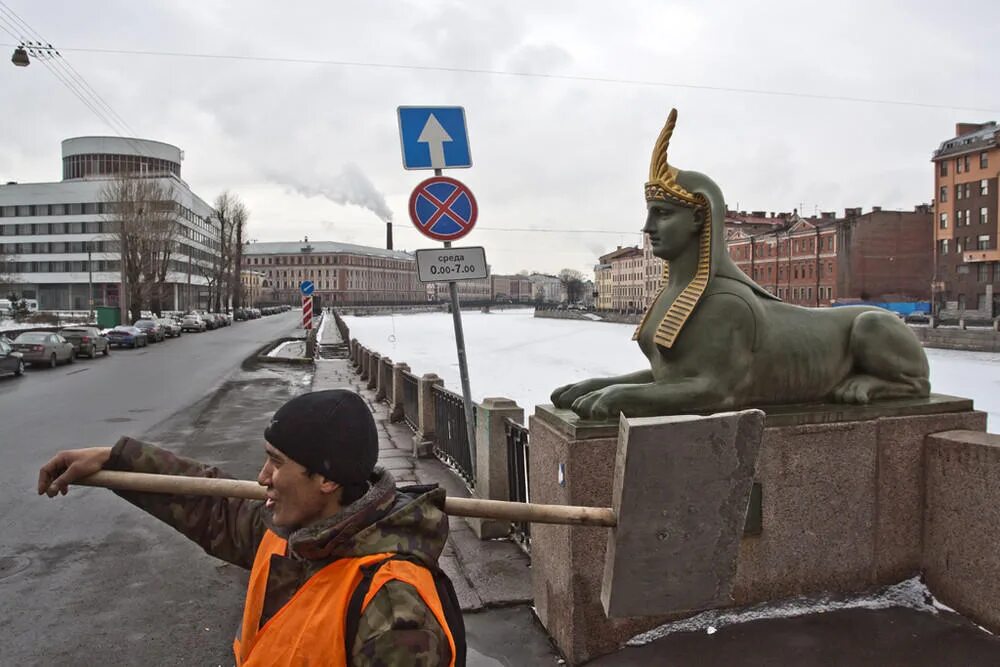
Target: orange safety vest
[(309, 629)]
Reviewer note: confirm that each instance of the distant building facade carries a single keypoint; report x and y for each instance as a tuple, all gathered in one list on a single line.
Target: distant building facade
[(875, 256), (47, 229), (342, 273), (547, 288), (512, 289), (967, 221)]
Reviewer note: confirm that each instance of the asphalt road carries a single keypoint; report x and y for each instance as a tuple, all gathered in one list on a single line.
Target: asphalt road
[(60, 558)]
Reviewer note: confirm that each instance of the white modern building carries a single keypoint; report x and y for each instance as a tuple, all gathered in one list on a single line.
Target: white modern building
[(46, 229), (549, 287)]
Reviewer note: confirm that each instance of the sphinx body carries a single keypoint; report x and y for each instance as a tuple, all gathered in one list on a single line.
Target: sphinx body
[(715, 340)]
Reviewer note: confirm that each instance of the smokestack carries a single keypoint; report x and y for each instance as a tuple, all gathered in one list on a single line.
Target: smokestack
[(388, 234)]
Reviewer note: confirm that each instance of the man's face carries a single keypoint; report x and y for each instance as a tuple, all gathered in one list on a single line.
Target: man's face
[(670, 227), (295, 496)]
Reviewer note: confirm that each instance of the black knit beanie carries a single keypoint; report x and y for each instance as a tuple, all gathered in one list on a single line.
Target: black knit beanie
[(330, 432)]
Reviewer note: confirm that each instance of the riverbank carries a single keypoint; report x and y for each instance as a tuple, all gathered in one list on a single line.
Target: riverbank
[(971, 339)]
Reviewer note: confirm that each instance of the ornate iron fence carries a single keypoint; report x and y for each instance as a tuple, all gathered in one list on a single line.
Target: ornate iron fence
[(410, 405), (518, 476), (451, 440)]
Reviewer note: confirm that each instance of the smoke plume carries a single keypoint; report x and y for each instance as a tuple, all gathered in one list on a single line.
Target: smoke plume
[(350, 186)]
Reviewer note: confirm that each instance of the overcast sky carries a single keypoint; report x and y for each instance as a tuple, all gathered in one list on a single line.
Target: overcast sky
[(567, 151)]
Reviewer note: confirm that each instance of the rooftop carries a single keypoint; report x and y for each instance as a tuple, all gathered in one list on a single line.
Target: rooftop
[(975, 140), (307, 246)]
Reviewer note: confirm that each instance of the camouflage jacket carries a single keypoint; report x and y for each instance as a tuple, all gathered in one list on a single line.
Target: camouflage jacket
[(395, 629)]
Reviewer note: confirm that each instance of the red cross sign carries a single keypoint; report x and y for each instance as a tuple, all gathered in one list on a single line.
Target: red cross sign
[(443, 208)]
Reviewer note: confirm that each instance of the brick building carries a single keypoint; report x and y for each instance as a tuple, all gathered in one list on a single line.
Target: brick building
[(342, 272), (513, 289), (966, 169), (876, 256)]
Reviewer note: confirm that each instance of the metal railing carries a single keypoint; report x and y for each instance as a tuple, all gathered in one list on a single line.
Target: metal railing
[(410, 405), (451, 439), (518, 476)]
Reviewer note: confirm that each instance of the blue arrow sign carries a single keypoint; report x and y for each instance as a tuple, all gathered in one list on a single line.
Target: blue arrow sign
[(434, 138), (307, 287)]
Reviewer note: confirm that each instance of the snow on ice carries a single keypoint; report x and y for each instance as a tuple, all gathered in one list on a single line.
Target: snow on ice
[(515, 355)]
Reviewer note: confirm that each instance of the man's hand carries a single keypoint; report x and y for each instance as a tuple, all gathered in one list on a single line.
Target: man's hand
[(69, 466)]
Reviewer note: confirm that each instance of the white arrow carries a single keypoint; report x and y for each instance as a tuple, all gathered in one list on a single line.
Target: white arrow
[(434, 136)]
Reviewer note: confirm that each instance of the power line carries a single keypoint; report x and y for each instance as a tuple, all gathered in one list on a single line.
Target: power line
[(66, 74), (535, 75)]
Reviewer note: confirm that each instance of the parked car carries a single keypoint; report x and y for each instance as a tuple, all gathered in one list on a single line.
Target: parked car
[(43, 347), (210, 322), (10, 360), (193, 322), (86, 341), (171, 327), (154, 332), (126, 336)]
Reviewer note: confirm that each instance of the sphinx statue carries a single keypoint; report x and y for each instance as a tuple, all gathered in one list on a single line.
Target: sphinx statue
[(716, 340)]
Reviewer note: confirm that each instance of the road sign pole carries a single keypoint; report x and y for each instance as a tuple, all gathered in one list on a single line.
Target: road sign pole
[(463, 369)]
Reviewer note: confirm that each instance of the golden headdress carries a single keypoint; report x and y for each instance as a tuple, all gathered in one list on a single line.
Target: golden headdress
[(663, 186)]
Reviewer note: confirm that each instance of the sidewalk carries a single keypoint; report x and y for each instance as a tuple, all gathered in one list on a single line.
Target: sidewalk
[(492, 578)]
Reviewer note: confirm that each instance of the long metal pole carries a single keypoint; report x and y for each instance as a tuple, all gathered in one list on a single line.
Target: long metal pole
[(90, 284), (463, 366)]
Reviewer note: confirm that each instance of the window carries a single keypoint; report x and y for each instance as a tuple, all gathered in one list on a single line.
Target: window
[(958, 250), (944, 167), (984, 160), (984, 187), (944, 193), (983, 242), (966, 162), (944, 221), (943, 247), (958, 165), (968, 218), (958, 192), (968, 190), (984, 215)]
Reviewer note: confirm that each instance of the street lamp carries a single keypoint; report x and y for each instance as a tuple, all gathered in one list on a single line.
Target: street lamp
[(20, 57)]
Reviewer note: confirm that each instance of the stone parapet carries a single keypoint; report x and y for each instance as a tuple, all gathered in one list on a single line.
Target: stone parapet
[(491, 461), (423, 439), (842, 507), (960, 557)]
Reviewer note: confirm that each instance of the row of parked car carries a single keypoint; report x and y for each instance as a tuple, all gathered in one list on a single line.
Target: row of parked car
[(50, 348)]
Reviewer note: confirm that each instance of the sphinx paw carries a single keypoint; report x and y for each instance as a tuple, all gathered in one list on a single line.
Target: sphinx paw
[(856, 389)]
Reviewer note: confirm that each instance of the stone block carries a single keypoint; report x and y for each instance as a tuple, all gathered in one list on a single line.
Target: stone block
[(383, 380), (681, 491), (423, 439), (961, 560), (374, 361), (491, 461), (839, 507), (396, 411), (900, 499)]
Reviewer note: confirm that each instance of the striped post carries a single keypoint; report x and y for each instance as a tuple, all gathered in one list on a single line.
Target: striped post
[(307, 312)]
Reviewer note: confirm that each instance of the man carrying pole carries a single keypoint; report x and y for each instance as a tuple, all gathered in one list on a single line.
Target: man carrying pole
[(343, 565)]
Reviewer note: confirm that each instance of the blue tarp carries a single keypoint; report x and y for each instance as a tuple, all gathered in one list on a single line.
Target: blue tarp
[(901, 307)]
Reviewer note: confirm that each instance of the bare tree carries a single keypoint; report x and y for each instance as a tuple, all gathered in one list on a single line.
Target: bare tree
[(7, 275), (227, 288), (141, 213), (572, 282)]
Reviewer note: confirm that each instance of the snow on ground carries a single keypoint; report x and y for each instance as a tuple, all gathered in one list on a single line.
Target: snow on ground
[(515, 355), (911, 594)]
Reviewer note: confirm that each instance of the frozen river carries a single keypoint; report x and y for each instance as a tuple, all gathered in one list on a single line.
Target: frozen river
[(514, 355)]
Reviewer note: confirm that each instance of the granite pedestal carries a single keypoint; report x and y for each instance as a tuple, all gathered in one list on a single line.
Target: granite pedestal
[(842, 508)]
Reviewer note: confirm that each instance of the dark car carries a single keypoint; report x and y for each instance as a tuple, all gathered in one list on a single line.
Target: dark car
[(154, 332), (126, 336), (10, 361), (86, 341)]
